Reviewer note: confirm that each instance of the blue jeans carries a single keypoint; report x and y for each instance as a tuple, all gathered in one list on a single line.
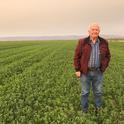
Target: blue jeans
[(93, 78)]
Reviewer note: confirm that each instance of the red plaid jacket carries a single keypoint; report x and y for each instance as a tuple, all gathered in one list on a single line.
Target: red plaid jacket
[(82, 54)]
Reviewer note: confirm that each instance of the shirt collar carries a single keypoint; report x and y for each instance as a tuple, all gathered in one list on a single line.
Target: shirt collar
[(97, 40)]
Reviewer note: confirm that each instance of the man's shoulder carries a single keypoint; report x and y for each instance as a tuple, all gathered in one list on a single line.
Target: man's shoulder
[(84, 40), (103, 39)]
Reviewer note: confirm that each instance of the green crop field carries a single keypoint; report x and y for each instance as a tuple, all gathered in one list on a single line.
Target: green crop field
[(38, 85)]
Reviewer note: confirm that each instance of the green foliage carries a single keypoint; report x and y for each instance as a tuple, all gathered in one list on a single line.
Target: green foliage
[(38, 85)]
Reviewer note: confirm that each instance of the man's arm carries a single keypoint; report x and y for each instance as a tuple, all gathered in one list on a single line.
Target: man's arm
[(107, 57), (77, 55)]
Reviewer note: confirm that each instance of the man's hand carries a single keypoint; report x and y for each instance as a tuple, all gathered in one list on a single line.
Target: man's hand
[(78, 73)]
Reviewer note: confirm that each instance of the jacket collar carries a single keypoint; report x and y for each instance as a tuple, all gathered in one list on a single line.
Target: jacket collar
[(87, 39)]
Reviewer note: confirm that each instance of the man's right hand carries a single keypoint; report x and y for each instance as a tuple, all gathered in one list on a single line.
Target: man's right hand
[(78, 73)]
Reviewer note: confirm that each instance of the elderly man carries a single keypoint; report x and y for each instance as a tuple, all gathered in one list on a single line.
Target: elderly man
[(91, 59)]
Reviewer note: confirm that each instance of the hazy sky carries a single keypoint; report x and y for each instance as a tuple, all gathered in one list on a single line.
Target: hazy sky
[(60, 17)]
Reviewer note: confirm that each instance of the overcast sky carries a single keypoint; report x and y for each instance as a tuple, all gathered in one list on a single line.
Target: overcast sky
[(60, 17)]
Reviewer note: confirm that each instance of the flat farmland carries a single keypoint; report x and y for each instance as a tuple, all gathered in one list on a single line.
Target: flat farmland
[(38, 85)]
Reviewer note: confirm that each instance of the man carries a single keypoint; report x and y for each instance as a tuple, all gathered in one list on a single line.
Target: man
[(91, 59)]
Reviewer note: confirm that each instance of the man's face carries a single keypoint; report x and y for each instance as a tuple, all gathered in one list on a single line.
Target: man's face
[(94, 31)]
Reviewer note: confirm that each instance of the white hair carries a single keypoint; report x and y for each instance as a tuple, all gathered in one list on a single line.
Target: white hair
[(93, 24)]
